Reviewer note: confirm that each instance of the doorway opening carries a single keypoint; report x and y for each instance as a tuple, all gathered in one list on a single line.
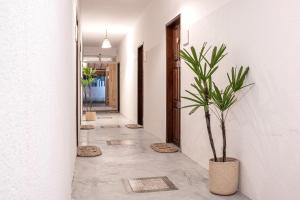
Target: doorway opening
[(173, 100), (104, 90), (140, 86)]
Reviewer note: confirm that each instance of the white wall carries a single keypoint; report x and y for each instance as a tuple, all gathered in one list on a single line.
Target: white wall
[(37, 97), (263, 129)]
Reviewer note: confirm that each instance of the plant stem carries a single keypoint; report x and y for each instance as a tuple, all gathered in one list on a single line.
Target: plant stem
[(85, 98), (90, 95), (207, 117), (224, 136), (208, 122)]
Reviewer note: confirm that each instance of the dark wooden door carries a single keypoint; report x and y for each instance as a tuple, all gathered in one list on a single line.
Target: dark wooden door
[(119, 103), (140, 86), (173, 82)]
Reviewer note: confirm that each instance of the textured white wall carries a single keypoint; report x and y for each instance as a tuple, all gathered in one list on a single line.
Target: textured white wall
[(37, 97), (263, 129)]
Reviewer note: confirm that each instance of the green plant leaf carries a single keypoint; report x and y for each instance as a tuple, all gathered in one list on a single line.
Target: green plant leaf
[(194, 110), (237, 79)]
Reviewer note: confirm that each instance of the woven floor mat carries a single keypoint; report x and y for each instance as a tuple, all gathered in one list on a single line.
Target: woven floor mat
[(88, 151), (133, 126), (87, 127), (164, 147)]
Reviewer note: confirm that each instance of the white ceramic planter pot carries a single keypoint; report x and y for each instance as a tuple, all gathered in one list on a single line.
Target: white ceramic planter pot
[(224, 176), (90, 116)]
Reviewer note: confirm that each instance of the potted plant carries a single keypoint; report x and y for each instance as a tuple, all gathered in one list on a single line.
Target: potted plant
[(223, 171), (203, 71), (224, 174), (86, 81)]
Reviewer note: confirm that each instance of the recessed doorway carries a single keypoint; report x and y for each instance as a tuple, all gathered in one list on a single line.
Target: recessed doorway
[(173, 82), (140, 86)]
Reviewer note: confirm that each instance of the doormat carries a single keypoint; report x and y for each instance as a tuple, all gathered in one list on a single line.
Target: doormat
[(88, 151), (152, 184), (164, 148), (133, 126), (111, 126), (120, 142), (87, 127)]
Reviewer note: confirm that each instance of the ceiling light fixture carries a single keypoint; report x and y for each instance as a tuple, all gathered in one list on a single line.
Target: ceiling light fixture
[(106, 43)]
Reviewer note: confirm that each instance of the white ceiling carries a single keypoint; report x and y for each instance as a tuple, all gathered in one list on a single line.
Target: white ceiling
[(115, 15)]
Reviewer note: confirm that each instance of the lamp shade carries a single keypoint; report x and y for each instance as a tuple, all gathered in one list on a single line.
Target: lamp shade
[(106, 44)]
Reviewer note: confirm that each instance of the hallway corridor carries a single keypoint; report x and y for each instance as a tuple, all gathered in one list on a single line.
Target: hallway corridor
[(219, 78), (105, 177)]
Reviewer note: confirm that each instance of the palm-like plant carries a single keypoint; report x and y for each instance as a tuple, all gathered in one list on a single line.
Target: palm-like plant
[(223, 100), (203, 69), (86, 81)]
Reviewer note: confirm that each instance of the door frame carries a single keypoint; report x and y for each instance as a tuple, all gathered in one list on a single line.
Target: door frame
[(169, 83), (78, 83), (140, 85), (118, 85)]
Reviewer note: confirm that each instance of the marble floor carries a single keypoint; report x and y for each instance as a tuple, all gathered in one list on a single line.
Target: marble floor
[(106, 177), (102, 107)]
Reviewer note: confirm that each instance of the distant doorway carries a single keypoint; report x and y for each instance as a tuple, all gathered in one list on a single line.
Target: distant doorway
[(103, 92), (173, 81), (140, 86)]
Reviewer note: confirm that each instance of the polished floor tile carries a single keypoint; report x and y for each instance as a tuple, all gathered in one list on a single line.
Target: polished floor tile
[(120, 142), (107, 177), (111, 126)]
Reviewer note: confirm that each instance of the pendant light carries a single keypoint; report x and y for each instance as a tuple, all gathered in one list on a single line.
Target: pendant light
[(106, 43)]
